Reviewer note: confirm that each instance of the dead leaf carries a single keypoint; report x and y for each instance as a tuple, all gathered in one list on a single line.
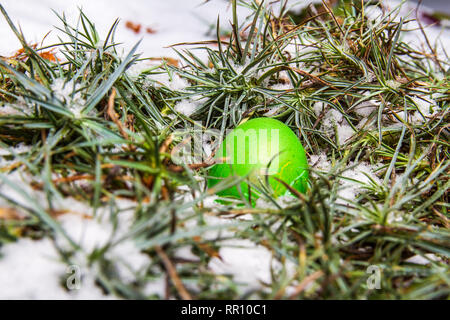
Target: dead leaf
[(135, 27), (210, 251), (9, 214)]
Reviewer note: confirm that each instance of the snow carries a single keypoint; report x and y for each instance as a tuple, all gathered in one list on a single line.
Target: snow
[(423, 260), (18, 149), (345, 132), (331, 118), (174, 21), (373, 13), (155, 287), (425, 109), (249, 264), (415, 39), (92, 233), (282, 86), (33, 270), (366, 108), (434, 33), (395, 217), (85, 230), (252, 73), (334, 119), (187, 107), (173, 82), (19, 108), (255, 267), (362, 173), (303, 49), (283, 201), (352, 180), (320, 162), (34, 263), (8, 109), (318, 108), (69, 92)]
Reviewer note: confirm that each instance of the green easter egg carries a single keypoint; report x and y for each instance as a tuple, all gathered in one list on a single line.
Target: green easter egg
[(261, 149)]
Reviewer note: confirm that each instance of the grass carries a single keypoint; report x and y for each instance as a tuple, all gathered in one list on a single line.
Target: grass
[(110, 139)]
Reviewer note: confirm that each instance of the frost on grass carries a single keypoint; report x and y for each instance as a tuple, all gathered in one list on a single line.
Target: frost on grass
[(282, 87), (282, 201)]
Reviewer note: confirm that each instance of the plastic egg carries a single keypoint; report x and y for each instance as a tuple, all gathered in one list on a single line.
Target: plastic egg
[(261, 150)]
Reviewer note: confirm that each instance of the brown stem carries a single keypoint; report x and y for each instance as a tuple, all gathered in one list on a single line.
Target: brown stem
[(170, 268)]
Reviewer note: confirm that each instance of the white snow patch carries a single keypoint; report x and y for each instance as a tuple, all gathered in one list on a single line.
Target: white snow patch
[(18, 149), (32, 270), (187, 107), (373, 13), (333, 118), (155, 287), (128, 260), (174, 21), (425, 108), (92, 233), (19, 107), (282, 86), (366, 108), (185, 252), (320, 162), (137, 68), (18, 179), (318, 108), (11, 109), (69, 93), (246, 262), (252, 73), (87, 231), (283, 201), (173, 82), (345, 132), (395, 217), (423, 260), (361, 173)]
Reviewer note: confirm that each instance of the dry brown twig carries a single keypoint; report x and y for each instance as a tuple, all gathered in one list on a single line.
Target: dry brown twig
[(302, 286), (113, 115), (170, 268)]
